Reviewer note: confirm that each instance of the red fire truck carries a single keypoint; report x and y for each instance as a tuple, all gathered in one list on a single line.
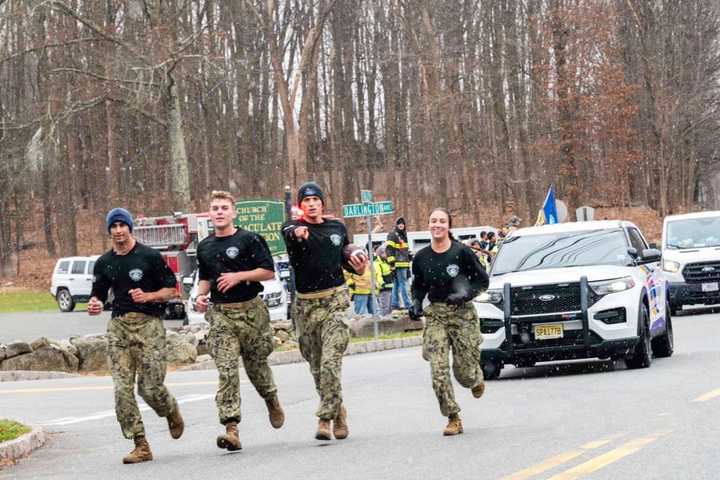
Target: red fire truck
[(176, 237)]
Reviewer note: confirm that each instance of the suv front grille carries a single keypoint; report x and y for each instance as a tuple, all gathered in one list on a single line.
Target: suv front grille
[(702, 272), (545, 299)]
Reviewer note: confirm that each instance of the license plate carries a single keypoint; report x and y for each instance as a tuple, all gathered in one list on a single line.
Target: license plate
[(710, 287), (549, 331)]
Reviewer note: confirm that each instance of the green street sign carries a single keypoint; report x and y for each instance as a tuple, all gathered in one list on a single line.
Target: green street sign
[(366, 196), (367, 209), (264, 217)]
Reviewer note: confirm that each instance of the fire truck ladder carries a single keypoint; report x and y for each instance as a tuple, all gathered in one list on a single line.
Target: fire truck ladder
[(162, 236)]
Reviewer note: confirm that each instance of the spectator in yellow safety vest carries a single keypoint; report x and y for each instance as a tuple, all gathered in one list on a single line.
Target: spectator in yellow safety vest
[(479, 253), (398, 256), (360, 287), (386, 276)]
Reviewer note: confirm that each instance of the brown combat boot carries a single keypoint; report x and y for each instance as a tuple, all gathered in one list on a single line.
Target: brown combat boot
[(141, 452), (478, 389), (176, 423), (231, 439), (340, 426), (454, 426), (275, 412), (323, 430)]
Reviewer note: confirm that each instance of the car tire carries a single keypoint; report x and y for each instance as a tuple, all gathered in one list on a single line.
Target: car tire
[(491, 370), (642, 355), (664, 345), (64, 300)]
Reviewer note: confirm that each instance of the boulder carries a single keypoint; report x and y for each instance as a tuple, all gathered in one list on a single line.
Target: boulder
[(40, 343), (179, 350), (92, 353), (282, 325), (282, 335), (3, 352), (17, 348), (362, 326), (50, 358), (66, 345)]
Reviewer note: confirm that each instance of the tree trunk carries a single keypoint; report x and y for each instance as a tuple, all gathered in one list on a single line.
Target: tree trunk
[(180, 175)]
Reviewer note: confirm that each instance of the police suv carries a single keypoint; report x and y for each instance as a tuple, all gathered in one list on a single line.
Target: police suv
[(691, 258), (575, 290)]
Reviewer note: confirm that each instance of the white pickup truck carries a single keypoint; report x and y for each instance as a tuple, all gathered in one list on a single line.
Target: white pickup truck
[(691, 258), (575, 290)]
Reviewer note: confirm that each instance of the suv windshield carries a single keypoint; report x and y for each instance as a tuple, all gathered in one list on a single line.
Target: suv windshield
[(693, 233), (567, 249)]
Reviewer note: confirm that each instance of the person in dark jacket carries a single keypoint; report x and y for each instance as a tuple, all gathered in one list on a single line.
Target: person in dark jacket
[(398, 256)]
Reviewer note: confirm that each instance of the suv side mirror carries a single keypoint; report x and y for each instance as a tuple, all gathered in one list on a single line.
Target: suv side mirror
[(654, 245), (650, 255)]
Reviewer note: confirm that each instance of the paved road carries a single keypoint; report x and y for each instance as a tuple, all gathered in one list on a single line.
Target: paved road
[(584, 420), (28, 326)]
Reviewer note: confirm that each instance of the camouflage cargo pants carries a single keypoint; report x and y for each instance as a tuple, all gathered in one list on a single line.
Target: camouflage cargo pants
[(457, 330), (240, 330), (323, 338), (136, 347)]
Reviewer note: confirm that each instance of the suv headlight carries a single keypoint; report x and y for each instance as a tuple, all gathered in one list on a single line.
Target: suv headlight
[(491, 296), (605, 287), (670, 266)]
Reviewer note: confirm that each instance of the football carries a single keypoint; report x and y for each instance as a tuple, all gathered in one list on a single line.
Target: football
[(352, 249)]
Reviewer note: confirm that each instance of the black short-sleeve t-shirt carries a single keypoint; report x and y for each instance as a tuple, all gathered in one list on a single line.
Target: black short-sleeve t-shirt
[(239, 252), (143, 268)]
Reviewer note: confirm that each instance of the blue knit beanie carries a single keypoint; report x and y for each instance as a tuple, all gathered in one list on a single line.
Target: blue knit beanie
[(119, 215), (310, 189)]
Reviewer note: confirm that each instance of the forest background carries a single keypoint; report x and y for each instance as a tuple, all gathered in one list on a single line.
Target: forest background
[(477, 105)]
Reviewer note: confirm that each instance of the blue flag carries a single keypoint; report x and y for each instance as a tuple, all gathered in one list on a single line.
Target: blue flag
[(548, 215)]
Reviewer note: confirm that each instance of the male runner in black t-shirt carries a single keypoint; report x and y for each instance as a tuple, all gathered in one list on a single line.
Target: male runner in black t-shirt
[(141, 283), (232, 263), (316, 247)]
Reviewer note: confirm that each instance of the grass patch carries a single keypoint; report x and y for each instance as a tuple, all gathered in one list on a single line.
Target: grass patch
[(30, 301), (10, 430)]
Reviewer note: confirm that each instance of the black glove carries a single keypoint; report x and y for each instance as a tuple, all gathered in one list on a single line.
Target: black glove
[(415, 311), (457, 299)]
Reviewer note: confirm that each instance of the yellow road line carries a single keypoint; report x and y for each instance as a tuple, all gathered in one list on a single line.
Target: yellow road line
[(96, 387), (558, 460), (709, 395), (605, 459)]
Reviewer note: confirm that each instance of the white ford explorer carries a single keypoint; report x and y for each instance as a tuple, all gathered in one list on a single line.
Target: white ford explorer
[(575, 290)]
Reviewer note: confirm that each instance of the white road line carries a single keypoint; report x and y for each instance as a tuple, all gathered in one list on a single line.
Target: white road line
[(111, 413)]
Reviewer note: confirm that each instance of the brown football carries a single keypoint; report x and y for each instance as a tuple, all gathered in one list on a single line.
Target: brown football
[(352, 249)]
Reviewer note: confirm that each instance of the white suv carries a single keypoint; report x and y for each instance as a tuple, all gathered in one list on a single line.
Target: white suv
[(72, 280), (273, 294), (691, 258), (575, 290)]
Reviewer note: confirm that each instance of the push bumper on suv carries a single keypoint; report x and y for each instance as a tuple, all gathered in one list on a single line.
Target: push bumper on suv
[(521, 346)]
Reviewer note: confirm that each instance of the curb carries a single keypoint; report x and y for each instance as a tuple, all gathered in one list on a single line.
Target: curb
[(21, 446), (293, 356), (19, 375)]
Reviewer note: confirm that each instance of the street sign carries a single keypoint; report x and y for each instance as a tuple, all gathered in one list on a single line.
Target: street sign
[(366, 196), (367, 209), (264, 217)]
